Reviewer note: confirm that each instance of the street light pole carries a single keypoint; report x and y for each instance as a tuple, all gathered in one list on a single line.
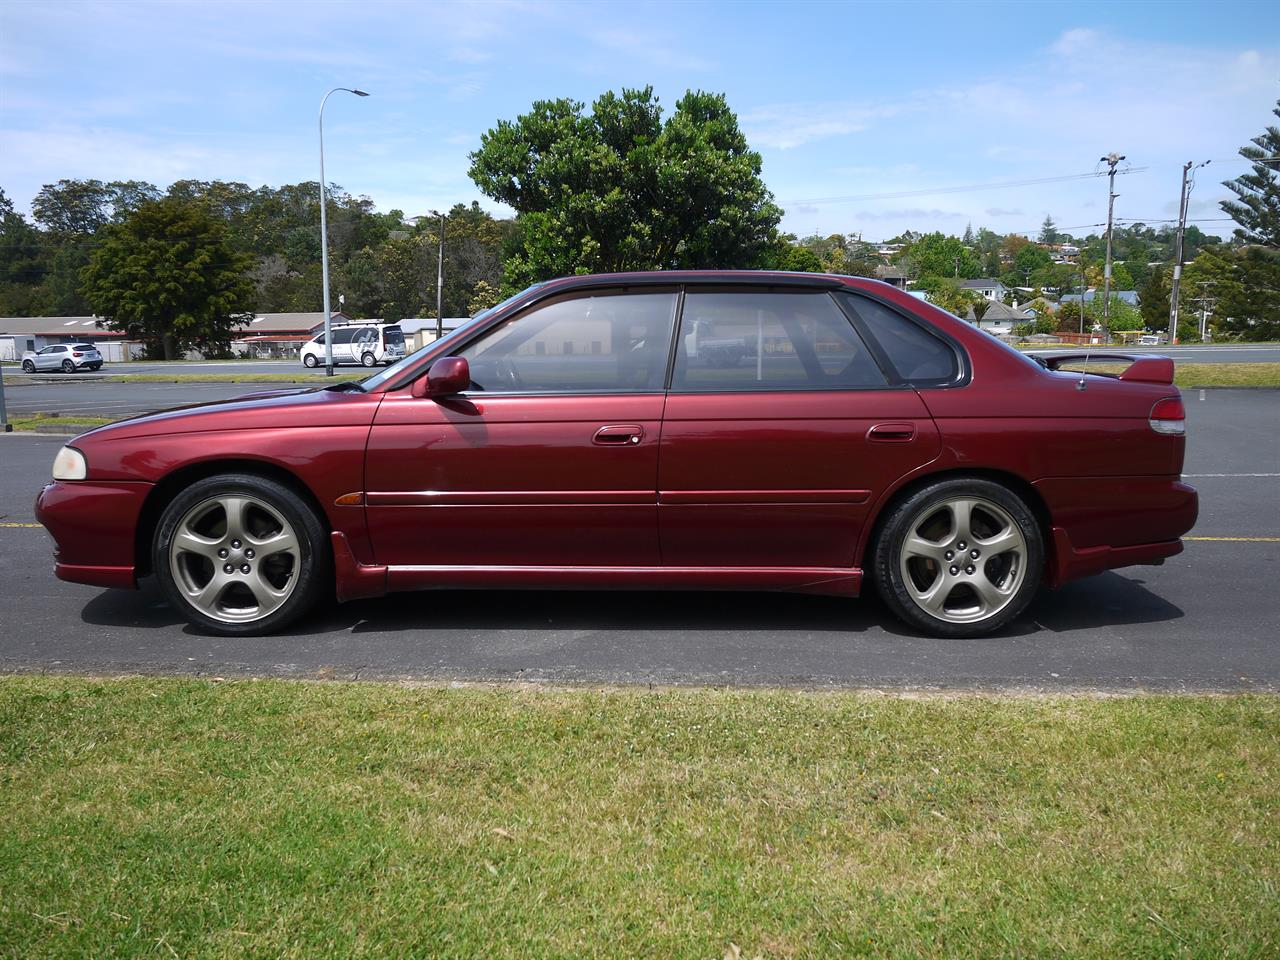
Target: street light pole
[(324, 235), (440, 284)]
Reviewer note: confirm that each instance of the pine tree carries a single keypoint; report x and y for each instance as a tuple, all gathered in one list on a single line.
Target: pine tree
[(1257, 207), (1048, 230), (967, 240)]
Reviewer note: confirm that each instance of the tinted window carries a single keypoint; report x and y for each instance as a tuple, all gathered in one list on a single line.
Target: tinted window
[(84, 346), (343, 336), (754, 340), (393, 336), (918, 355), (602, 342)]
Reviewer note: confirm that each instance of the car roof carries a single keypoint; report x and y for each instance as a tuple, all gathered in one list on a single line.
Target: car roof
[(659, 277)]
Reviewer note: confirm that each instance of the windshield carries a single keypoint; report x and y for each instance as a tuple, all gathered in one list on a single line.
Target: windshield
[(396, 369)]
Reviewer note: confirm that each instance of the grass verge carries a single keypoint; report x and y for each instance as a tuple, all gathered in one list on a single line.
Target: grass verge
[(307, 378), (72, 423), (168, 817)]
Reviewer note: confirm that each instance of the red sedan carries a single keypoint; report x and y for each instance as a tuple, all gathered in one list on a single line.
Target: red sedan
[(700, 430)]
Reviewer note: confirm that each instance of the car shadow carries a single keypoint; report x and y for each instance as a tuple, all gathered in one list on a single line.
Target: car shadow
[(1108, 599)]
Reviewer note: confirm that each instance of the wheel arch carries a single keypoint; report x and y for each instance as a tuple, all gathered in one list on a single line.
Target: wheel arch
[(179, 479), (1016, 484)]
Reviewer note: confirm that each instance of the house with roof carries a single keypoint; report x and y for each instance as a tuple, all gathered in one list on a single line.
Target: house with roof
[(987, 289), (891, 275), (1128, 296), (997, 317), (19, 335)]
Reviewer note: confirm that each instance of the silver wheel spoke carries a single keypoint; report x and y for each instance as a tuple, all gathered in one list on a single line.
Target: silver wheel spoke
[(234, 508), (1004, 541), (206, 598), (282, 542), (992, 597), (934, 599), (961, 518), (917, 546), (194, 543), (268, 597)]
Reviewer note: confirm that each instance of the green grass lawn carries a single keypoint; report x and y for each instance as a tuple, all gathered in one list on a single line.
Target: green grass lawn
[(151, 817)]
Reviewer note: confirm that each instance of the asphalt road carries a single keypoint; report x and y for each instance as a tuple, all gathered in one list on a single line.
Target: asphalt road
[(176, 367), (119, 400), (1207, 619)]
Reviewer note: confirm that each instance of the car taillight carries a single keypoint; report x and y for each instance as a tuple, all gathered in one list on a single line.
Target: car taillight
[(74, 354), (1168, 416)]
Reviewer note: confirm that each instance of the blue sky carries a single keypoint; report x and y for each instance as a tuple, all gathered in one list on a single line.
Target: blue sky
[(856, 101)]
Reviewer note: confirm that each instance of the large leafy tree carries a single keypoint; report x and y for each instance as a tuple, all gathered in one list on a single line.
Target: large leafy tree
[(1257, 205), (619, 188), (168, 276), (936, 255)]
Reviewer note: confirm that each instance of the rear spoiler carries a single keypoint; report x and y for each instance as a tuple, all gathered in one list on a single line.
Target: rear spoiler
[(1143, 368)]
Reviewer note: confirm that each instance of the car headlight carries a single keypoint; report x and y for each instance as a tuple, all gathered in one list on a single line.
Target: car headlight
[(70, 464)]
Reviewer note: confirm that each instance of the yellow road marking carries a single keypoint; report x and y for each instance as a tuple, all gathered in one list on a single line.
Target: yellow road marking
[(1236, 539), (21, 524)]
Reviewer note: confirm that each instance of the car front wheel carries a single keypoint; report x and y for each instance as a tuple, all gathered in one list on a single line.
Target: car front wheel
[(959, 558), (241, 555), (28, 366), (310, 361)]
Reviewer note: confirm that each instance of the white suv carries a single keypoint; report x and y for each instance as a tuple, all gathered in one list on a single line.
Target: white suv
[(67, 357), (367, 344)]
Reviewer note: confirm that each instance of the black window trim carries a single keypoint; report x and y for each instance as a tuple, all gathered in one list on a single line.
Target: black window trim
[(964, 370), (892, 381)]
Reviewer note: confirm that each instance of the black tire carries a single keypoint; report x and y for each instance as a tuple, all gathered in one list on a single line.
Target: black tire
[(28, 366), (368, 360), (903, 518), (95, 367), (68, 366), (310, 361), (314, 572)]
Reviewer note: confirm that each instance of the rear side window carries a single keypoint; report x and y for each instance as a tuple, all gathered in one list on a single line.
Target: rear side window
[(343, 336), (919, 356), (734, 341)]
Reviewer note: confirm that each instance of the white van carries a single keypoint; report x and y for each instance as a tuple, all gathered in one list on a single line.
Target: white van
[(367, 344)]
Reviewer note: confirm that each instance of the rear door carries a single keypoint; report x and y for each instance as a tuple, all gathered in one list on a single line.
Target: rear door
[(550, 459), (780, 431)]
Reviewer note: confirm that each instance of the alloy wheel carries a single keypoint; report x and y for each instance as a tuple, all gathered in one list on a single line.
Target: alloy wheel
[(235, 558), (963, 560)]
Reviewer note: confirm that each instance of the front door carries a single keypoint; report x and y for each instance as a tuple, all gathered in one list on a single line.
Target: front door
[(780, 431), (550, 459)]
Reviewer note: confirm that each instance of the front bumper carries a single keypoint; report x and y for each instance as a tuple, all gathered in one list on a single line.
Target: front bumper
[(94, 526)]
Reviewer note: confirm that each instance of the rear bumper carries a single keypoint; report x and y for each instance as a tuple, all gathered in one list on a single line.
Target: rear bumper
[(94, 527), (1108, 522)]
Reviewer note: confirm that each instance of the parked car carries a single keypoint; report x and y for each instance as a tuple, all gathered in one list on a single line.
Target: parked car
[(574, 437), (367, 344), (67, 357)]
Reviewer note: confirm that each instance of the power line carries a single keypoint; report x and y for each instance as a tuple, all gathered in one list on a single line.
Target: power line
[(994, 185)]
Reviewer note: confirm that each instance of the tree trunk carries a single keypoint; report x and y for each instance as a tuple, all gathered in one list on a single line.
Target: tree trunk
[(170, 346)]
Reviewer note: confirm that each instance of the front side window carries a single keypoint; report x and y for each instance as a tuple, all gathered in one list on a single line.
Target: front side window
[(764, 340), (919, 356), (343, 336), (602, 342)]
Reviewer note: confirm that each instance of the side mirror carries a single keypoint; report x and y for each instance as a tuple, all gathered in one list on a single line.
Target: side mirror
[(446, 377)]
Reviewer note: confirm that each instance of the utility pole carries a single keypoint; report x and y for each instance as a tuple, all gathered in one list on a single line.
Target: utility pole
[(1188, 184), (1111, 159), (440, 284)]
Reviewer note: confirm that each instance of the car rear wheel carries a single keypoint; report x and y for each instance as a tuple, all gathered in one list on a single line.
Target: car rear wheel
[(68, 366), (241, 555), (310, 361), (959, 558), (369, 360), (28, 366)]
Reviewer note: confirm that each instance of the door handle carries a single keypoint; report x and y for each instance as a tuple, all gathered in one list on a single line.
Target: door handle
[(892, 433), (619, 435)]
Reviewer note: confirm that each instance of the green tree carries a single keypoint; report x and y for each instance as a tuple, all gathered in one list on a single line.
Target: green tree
[(1153, 300), (620, 189), (937, 255), (1257, 205), (947, 294), (168, 276), (1049, 231), (1029, 259)]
